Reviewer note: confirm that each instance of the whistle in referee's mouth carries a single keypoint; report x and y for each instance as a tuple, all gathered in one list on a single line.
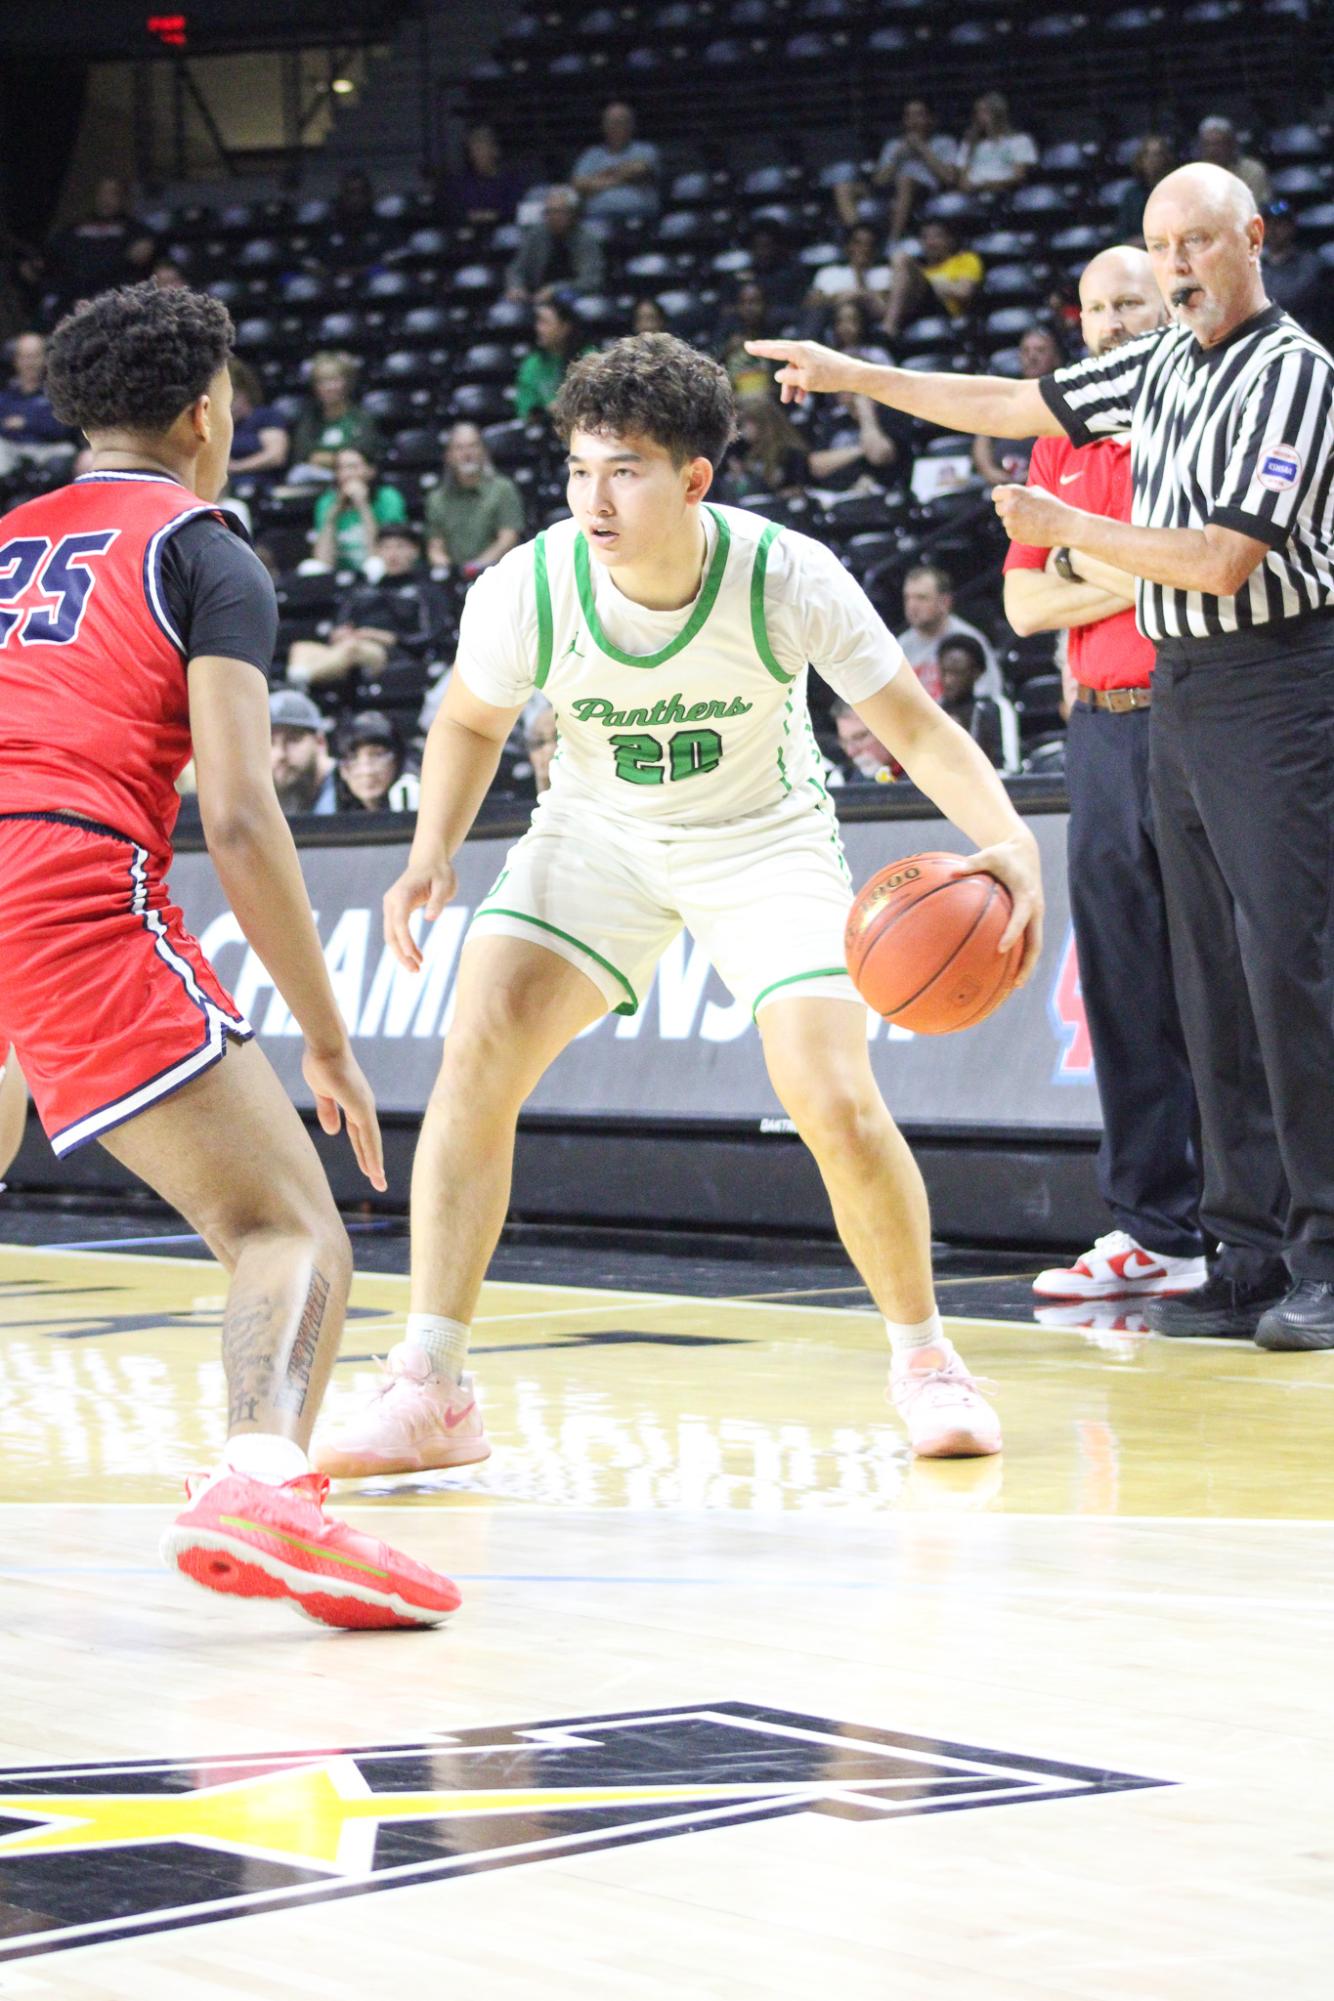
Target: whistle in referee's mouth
[(1183, 293)]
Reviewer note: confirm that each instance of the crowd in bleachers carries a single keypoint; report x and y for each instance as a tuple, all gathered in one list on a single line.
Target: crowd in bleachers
[(398, 351)]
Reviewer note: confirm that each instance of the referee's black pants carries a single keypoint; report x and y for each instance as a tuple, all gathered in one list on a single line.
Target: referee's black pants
[(1148, 1165), (1242, 767)]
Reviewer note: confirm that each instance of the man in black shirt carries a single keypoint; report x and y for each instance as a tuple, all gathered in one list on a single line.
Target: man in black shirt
[(386, 633), (1230, 410)]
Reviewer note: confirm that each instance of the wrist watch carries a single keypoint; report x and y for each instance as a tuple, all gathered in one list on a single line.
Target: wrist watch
[(1065, 568)]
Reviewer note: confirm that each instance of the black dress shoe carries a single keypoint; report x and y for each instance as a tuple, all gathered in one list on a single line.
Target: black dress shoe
[(1305, 1319), (1223, 1306)]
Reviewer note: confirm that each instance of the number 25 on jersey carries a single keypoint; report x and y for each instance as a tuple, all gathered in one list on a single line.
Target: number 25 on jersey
[(60, 574)]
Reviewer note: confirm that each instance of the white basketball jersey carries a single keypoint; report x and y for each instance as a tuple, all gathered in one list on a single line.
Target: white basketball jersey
[(711, 726)]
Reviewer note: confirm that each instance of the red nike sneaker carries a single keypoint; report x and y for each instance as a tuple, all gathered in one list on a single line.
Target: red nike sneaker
[(248, 1539)]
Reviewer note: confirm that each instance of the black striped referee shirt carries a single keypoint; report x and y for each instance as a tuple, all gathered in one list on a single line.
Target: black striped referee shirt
[(1241, 434)]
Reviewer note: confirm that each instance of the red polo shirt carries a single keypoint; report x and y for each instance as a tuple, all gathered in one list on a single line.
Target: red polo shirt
[(1113, 653)]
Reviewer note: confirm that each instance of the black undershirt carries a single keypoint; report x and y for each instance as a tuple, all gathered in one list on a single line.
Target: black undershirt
[(218, 594)]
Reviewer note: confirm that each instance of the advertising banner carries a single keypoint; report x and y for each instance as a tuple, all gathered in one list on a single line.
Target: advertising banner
[(690, 1052)]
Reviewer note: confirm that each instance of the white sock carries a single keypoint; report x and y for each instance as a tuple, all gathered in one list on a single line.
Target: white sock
[(445, 1341), (907, 1336), (267, 1456)]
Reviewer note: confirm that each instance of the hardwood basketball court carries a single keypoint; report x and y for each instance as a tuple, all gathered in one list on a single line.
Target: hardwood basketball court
[(741, 1701)]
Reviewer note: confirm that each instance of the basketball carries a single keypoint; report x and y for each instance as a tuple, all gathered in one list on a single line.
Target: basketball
[(922, 942)]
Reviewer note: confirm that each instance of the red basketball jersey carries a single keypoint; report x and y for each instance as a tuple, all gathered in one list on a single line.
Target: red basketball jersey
[(94, 712)]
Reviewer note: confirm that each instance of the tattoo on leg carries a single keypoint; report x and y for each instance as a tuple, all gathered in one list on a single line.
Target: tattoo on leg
[(295, 1386), (247, 1353)]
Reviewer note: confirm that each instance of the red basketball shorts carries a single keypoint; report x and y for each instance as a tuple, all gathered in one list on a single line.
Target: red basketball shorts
[(108, 1001)]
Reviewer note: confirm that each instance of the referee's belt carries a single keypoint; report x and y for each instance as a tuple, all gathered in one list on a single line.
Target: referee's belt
[(1119, 700)]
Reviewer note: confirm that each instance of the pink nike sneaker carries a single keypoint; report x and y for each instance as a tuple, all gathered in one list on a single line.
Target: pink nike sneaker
[(416, 1422), (248, 1539), (946, 1414), (1119, 1268)]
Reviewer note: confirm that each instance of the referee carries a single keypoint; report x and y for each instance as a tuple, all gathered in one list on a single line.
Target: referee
[(1230, 411)]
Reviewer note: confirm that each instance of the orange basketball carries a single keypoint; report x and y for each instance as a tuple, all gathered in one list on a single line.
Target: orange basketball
[(921, 945)]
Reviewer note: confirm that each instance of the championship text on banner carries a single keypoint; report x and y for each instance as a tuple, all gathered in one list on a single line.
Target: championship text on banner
[(690, 1052)]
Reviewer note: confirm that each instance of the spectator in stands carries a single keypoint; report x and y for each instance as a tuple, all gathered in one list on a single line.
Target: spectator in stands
[(1000, 459), (371, 766), (485, 191), (331, 420), (168, 276), (1294, 277), (260, 440), (770, 260), (1217, 142), (558, 250), (110, 246), (852, 331), (539, 740), (944, 281), (993, 158), (648, 317), (559, 335), (303, 771), (770, 456), (864, 759), (744, 320), (399, 627), (475, 515), (919, 160), (962, 663), (29, 433), (852, 447), (928, 606), (863, 274), (350, 514), (618, 180), (354, 204), (1154, 158)]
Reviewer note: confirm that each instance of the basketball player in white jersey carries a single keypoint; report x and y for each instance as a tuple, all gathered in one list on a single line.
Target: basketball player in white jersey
[(671, 638)]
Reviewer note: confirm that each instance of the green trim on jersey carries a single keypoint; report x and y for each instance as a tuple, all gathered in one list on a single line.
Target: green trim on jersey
[(759, 630), (544, 622), (820, 973), (540, 924), (690, 630)]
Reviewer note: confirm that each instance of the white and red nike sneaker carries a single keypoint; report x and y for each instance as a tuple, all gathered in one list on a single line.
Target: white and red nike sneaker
[(416, 1422), (1119, 1268)]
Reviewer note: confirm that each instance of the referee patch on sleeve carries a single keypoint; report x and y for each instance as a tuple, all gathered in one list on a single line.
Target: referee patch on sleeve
[(1279, 469)]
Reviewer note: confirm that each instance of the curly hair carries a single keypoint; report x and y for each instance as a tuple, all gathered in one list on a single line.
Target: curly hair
[(653, 386), (133, 359)]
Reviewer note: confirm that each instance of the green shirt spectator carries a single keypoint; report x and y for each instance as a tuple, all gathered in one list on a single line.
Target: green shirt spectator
[(475, 516), (350, 514), (542, 370), (332, 420)]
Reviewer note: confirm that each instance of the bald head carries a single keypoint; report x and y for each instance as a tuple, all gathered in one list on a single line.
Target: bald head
[(1203, 234), (1118, 298)]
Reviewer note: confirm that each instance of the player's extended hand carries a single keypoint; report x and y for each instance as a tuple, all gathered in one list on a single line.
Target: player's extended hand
[(1031, 514), (339, 1085), (1017, 865), (807, 367), (428, 887)]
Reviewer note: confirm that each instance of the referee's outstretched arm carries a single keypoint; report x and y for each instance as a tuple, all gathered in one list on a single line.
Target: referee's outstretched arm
[(991, 405)]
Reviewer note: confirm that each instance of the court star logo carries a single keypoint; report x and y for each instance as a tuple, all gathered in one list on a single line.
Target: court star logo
[(97, 1852)]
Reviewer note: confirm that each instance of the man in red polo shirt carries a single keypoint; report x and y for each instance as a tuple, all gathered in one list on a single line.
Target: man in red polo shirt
[(1148, 1170)]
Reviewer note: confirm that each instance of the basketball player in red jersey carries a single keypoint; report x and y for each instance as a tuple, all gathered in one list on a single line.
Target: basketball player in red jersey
[(13, 1107), (136, 623)]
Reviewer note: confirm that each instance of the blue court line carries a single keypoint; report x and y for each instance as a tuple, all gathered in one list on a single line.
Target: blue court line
[(473, 1577), (190, 1237)]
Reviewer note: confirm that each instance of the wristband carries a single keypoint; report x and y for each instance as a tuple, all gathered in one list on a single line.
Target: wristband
[(1065, 568)]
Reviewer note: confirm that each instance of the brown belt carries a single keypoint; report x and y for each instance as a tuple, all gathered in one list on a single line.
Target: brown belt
[(1119, 700)]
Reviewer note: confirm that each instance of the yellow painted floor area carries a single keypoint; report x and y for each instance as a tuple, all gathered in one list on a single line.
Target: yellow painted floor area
[(1142, 1588)]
